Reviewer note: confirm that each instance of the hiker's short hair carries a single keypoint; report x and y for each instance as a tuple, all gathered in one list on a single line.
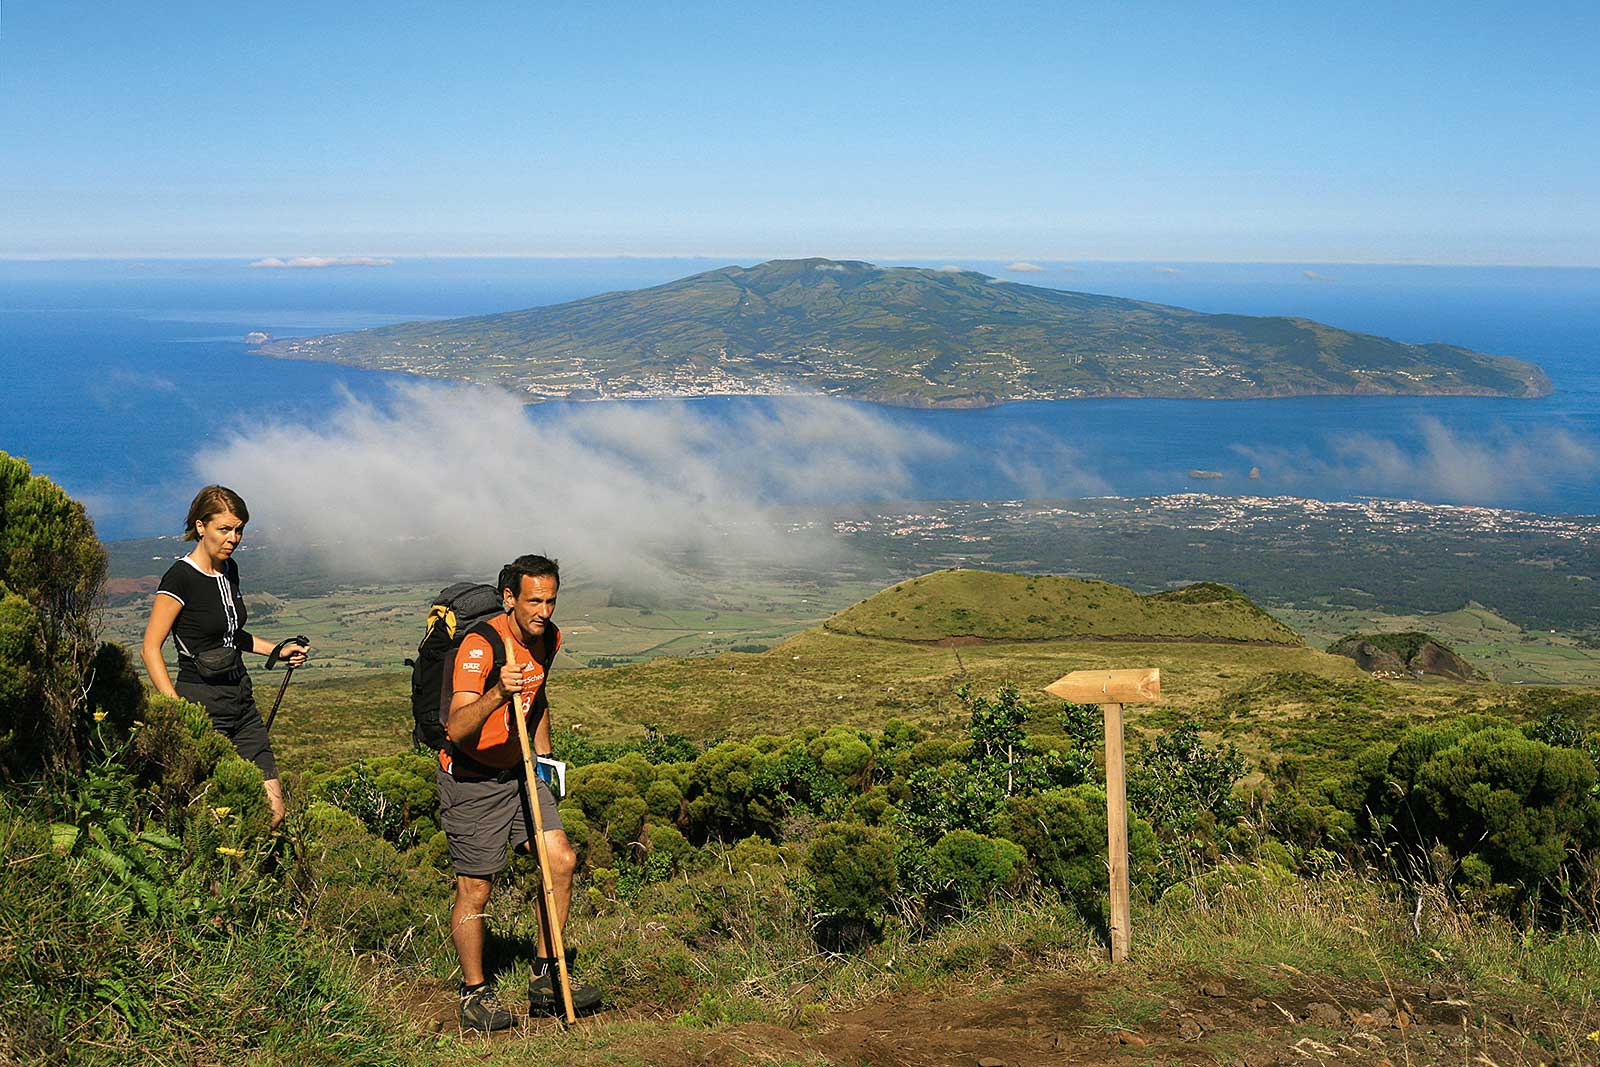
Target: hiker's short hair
[(213, 500), (529, 566)]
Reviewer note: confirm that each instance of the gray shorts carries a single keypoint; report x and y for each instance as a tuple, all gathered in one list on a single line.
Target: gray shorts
[(481, 818)]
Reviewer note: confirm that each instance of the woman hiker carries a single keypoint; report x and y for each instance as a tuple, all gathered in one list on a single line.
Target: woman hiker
[(199, 604)]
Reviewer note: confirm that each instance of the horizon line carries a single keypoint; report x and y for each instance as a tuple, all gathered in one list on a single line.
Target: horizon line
[(245, 258)]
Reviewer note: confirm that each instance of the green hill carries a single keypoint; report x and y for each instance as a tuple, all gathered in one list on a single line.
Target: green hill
[(992, 606), (909, 336), (1410, 652)]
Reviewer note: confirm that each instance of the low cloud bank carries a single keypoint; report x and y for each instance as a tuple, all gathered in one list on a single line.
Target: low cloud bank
[(446, 479), (1497, 465), (313, 262)]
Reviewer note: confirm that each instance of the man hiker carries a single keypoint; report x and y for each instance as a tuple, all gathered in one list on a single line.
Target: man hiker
[(482, 791)]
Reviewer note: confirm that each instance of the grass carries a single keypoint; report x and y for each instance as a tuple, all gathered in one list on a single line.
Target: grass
[(1507, 652), (815, 677), (1268, 700), (84, 980), (1341, 939), (375, 627), (1016, 607)]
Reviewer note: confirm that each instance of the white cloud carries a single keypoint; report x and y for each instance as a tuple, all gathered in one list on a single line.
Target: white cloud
[(951, 268), (1313, 276), (1022, 266), (1492, 466), (1166, 270), (310, 262), (1041, 466), (458, 479), (1069, 270)]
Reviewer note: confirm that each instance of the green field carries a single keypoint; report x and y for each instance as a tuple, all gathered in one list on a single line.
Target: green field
[(357, 628), (1500, 648), (1019, 607), (1271, 701)]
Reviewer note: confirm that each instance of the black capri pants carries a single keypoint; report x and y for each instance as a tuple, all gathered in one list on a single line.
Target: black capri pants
[(232, 707)]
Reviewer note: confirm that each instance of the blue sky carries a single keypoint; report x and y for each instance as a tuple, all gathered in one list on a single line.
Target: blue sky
[(1433, 133)]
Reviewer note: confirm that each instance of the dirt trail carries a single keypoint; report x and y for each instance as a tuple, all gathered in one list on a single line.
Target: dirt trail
[(1062, 1021)]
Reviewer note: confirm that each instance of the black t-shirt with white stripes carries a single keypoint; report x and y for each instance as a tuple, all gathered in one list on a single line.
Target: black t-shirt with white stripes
[(212, 612)]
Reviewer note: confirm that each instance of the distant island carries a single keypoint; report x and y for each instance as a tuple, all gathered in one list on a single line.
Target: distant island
[(907, 336)]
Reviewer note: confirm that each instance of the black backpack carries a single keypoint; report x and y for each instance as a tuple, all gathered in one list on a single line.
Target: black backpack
[(455, 611)]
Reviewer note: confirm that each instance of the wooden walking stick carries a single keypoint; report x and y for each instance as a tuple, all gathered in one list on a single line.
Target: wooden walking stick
[(552, 928), (1111, 690)]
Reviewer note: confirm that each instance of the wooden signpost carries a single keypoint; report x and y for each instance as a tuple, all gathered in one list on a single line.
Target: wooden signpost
[(1111, 690)]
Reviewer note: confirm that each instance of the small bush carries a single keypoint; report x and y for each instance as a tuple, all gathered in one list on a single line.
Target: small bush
[(1513, 813), (1063, 833), (359, 886), (395, 797), (976, 867), (853, 869)]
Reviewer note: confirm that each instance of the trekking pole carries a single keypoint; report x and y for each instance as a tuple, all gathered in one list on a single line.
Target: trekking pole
[(551, 927), (288, 672)]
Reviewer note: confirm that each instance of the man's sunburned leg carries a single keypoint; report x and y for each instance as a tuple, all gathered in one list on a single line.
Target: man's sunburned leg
[(563, 861), (467, 925)]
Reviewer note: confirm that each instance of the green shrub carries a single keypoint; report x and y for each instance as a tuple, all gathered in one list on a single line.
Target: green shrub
[(751, 852), (115, 695), (723, 802), (22, 678), (667, 841), (793, 778), (79, 954), (51, 561), (359, 886), (853, 869), (1514, 813), (624, 825), (998, 763), (974, 866), (176, 750), (664, 799), (1185, 788), (1063, 833), (395, 797)]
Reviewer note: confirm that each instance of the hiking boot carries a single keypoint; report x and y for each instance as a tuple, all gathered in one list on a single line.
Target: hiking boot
[(544, 995), (482, 1010)]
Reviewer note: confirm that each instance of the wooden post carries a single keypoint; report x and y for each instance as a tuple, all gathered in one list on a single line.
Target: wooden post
[(1112, 689), (1117, 833), (561, 981)]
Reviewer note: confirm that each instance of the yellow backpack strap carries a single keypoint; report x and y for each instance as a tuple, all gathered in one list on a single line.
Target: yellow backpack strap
[(441, 613)]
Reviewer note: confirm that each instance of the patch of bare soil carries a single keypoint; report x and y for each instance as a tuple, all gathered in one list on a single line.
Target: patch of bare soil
[(1063, 1021)]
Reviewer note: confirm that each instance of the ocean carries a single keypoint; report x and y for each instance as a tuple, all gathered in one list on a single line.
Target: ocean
[(117, 374)]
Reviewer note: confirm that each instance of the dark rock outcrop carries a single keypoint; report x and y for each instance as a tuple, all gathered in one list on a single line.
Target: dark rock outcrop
[(1403, 655)]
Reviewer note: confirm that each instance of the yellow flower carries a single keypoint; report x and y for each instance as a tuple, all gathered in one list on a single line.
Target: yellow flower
[(99, 716), (224, 850), (1595, 1036), (220, 812)]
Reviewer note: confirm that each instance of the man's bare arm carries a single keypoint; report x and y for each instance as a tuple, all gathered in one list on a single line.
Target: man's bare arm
[(469, 710)]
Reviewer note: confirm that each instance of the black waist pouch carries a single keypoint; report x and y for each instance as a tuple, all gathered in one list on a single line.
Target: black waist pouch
[(220, 664)]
